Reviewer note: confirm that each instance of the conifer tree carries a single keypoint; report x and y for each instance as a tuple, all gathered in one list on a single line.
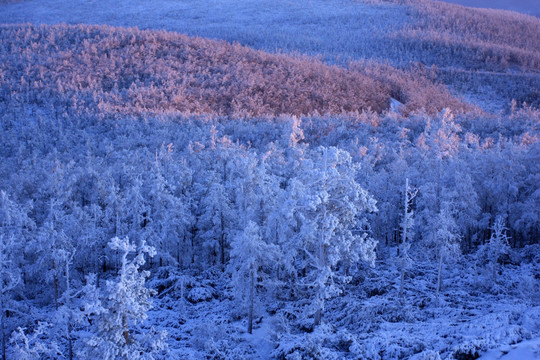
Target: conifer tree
[(496, 247)]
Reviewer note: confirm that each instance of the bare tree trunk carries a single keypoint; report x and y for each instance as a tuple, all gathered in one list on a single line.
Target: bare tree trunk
[(222, 218), (126, 330), (322, 251), (192, 250), (3, 320), (55, 285), (404, 238), (402, 278), (68, 306), (318, 316), (222, 241), (70, 343), (251, 296), (439, 279)]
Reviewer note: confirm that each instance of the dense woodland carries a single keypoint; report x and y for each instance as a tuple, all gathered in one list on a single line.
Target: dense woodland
[(162, 195), (294, 205)]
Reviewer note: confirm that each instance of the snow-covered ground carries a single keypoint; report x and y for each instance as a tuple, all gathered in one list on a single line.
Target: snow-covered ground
[(525, 350), (367, 321), (531, 7)]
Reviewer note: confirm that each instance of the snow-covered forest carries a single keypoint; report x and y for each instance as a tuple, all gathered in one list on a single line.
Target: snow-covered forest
[(367, 193)]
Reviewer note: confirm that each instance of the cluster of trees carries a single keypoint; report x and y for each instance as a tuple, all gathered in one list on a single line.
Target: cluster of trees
[(294, 203)]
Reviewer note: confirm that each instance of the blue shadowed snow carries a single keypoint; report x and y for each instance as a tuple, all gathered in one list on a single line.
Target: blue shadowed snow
[(316, 27), (531, 7)]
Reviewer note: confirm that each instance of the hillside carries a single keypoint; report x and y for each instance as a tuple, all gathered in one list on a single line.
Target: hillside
[(487, 64), (129, 71)]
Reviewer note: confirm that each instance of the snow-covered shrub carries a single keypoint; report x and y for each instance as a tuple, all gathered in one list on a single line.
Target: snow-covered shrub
[(427, 355), (468, 350), (528, 254), (315, 345), (35, 345), (528, 284), (199, 293)]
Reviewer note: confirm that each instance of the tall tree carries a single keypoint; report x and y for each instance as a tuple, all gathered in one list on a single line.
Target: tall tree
[(332, 206), (496, 247), (14, 227)]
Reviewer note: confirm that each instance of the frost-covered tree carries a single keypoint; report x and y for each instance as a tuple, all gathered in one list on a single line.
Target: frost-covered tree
[(249, 252), (14, 225), (52, 242), (407, 224), (214, 220), (137, 216), (170, 215), (496, 247), (446, 240), (10, 277), (281, 229), (67, 314), (124, 303), (332, 207), (247, 181), (34, 345)]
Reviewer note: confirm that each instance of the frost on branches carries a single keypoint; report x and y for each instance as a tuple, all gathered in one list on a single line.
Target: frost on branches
[(333, 231), (116, 313)]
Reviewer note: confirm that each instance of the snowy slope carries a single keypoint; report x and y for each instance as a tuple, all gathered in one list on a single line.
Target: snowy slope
[(334, 30), (526, 350), (316, 27), (531, 7)]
